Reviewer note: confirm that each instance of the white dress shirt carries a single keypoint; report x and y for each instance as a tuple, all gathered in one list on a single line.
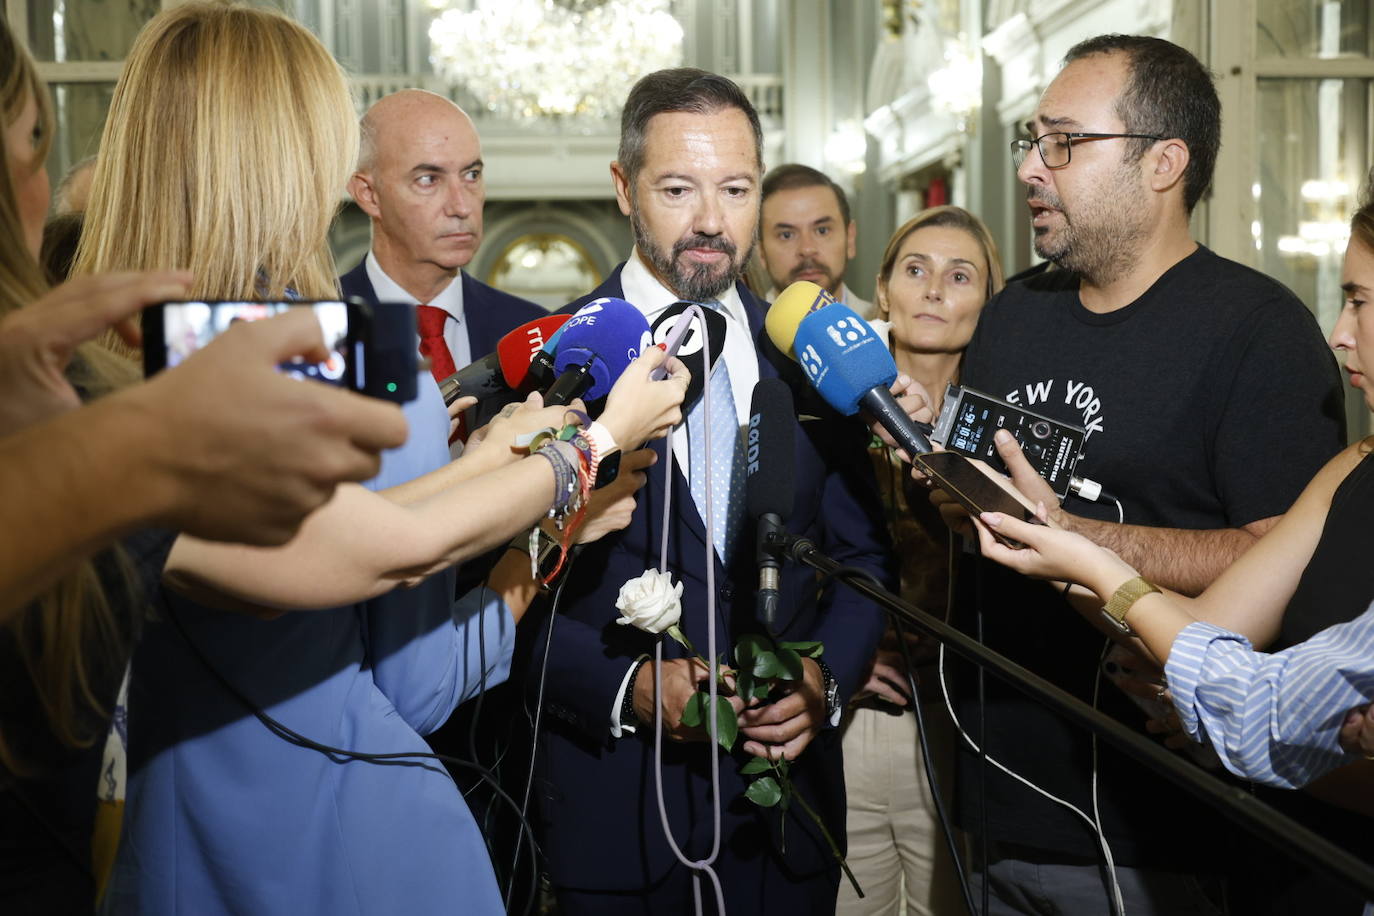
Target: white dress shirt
[(642, 290), (450, 299)]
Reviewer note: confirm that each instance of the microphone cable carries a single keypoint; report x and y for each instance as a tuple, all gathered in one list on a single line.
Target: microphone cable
[(986, 759), (338, 754), (896, 481), (537, 719), (702, 866)]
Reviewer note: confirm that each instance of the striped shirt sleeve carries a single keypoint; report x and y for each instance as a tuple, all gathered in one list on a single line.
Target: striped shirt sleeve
[(1272, 718)]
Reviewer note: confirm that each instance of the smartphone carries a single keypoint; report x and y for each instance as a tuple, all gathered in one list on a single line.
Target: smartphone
[(974, 490), (371, 351)]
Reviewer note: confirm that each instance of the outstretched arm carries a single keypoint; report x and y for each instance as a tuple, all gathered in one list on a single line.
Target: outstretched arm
[(363, 544)]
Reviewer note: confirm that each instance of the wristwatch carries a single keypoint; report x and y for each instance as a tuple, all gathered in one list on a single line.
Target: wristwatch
[(627, 705), (1131, 591), (832, 693)]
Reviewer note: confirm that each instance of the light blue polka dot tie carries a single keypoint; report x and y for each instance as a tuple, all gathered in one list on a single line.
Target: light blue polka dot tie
[(727, 458)]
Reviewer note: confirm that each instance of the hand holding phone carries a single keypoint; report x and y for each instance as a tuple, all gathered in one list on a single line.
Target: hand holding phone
[(371, 351), (976, 489)]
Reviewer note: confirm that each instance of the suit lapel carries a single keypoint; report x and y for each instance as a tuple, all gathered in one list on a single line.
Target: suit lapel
[(483, 334), (357, 283)]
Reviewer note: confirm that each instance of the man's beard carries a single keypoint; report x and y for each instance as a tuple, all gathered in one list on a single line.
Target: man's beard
[(691, 282), (1101, 243)]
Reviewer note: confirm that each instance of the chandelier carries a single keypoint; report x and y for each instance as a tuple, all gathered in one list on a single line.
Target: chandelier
[(529, 59)]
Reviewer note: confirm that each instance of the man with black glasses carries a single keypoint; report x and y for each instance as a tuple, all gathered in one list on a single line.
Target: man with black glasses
[(1209, 398)]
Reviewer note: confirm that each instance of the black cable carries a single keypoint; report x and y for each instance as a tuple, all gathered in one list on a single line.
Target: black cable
[(481, 666), (895, 485), (982, 748), (931, 780), (336, 754), (534, 738)]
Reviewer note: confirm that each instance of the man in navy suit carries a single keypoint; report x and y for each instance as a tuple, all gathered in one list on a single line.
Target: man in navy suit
[(688, 176), (420, 179)]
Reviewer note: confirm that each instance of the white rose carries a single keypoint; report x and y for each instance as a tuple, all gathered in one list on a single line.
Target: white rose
[(650, 602)]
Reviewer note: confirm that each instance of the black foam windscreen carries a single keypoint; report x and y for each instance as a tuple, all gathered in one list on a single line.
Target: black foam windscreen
[(770, 450), (690, 351)]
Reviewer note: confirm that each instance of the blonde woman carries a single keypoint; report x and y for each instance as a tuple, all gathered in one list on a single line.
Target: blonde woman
[(224, 814), (76, 479), (938, 270)]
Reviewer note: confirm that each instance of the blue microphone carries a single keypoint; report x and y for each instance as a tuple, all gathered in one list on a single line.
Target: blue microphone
[(595, 347), (845, 360)]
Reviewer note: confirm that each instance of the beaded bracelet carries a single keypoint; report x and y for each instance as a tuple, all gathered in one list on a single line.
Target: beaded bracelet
[(564, 475), (572, 490)]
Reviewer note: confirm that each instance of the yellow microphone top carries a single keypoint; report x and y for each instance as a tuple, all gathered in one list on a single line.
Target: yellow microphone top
[(787, 311)]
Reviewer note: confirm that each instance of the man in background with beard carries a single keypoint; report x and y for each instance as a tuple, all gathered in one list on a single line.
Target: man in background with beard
[(687, 176), (1210, 399), (806, 233)]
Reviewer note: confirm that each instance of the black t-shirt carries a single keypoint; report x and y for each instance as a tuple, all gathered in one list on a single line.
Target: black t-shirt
[(1210, 402), (1336, 586)]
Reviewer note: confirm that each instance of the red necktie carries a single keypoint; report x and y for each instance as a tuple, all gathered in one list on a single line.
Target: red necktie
[(430, 321)]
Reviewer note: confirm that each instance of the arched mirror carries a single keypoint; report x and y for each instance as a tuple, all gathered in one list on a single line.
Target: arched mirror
[(548, 268)]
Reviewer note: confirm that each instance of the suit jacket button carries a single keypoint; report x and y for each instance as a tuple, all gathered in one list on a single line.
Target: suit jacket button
[(727, 591)]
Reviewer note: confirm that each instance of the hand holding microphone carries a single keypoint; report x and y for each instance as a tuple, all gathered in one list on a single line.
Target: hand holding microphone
[(844, 359), (494, 445), (639, 409)]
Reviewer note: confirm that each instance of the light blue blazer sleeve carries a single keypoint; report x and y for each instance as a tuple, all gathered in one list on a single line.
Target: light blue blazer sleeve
[(429, 651)]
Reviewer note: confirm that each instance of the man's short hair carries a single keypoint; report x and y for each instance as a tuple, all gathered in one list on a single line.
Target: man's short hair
[(683, 89), (792, 176), (1169, 93)]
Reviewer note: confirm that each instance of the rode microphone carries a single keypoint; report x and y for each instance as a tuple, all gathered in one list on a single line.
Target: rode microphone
[(846, 361), (690, 348), (769, 486), (594, 348), (508, 368), (792, 305)]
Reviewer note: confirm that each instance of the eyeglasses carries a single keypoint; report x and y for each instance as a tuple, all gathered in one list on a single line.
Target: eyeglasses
[(1056, 148)]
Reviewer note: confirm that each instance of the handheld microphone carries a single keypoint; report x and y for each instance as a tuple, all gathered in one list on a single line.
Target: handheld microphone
[(506, 369), (595, 347), (769, 485), (690, 349), (792, 305), (541, 372), (846, 361)]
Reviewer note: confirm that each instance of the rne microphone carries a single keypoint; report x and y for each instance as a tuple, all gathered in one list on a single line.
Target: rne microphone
[(506, 369), (594, 348), (769, 486), (846, 361), (792, 305), (542, 374)]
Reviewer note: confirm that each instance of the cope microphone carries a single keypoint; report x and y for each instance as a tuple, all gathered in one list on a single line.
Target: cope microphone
[(594, 348), (792, 305), (690, 348), (506, 369), (769, 486), (846, 361)]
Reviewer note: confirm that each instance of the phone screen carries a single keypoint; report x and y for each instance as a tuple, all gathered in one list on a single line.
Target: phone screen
[(178, 329), (973, 489)]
